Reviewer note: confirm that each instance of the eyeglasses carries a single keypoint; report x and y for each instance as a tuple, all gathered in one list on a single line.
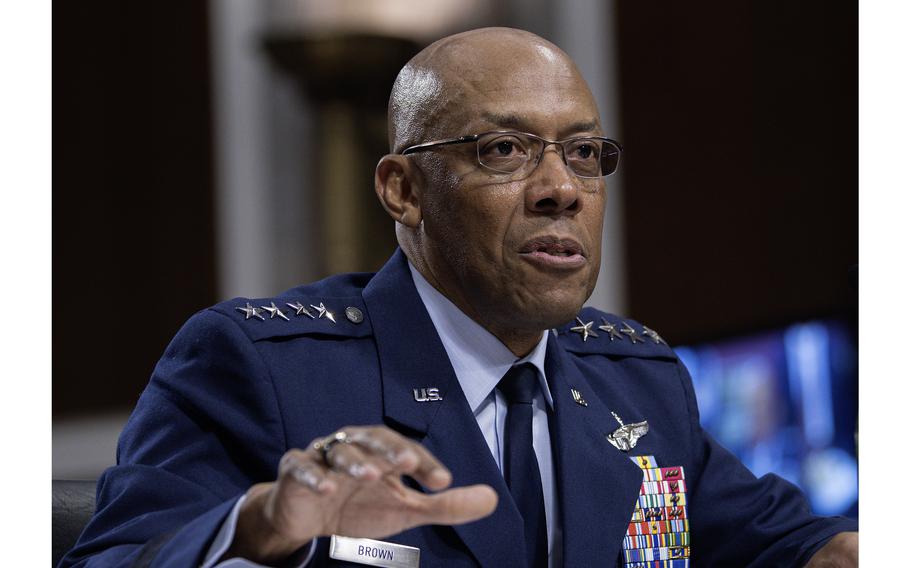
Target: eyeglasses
[(511, 152)]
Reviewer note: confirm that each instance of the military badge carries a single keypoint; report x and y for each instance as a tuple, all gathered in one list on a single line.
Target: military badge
[(658, 534), (626, 436)]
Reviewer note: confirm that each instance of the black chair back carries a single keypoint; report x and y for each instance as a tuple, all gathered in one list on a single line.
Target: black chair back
[(73, 506)]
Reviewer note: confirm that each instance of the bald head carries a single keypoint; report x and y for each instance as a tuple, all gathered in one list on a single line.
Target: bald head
[(483, 237), (440, 84)]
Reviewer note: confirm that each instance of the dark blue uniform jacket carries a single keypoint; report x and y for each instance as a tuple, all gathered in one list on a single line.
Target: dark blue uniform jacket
[(231, 395)]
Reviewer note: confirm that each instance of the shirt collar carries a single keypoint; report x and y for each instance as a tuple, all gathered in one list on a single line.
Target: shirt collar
[(479, 359)]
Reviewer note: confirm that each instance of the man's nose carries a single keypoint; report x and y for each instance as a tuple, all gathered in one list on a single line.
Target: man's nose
[(553, 188)]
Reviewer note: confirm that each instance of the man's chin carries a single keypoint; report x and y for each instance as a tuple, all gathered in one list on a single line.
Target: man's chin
[(553, 314), (561, 319), (557, 301)]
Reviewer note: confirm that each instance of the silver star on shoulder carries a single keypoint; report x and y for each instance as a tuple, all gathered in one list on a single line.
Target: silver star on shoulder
[(653, 335), (300, 309), (610, 328), (323, 312), (250, 312), (274, 310), (584, 329), (633, 335)]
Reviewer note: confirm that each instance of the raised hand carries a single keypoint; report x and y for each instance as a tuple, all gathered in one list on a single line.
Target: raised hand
[(349, 483)]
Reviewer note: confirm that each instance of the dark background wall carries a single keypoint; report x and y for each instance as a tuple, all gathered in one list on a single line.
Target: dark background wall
[(132, 192), (740, 127)]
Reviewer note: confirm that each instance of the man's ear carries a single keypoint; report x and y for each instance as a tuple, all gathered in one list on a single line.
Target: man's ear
[(397, 185)]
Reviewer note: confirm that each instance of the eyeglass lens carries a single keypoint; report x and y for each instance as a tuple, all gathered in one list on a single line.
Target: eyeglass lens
[(509, 152)]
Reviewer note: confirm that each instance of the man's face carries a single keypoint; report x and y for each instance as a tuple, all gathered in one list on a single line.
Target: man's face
[(515, 252)]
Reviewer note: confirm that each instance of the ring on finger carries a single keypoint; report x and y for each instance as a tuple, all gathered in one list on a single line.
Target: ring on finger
[(324, 445)]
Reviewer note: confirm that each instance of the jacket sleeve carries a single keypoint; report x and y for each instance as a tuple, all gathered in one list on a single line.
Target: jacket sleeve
[(205, 429), (737, 519)]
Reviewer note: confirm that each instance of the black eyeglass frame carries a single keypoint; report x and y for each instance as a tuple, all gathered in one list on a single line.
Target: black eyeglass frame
[(561, 143)]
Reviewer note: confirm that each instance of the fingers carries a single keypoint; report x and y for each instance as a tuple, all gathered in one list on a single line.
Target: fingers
[(340, 482), (367, 454), (403, 455), (303, 469), (352, 460), (428, 470), (456, 506)]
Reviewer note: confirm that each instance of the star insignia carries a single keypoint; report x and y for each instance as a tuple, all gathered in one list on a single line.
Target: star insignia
[(653, 335), (323, 312), (250, 312), (610, 328), (274, 310), (300, 309), (633, 335), (584, 329)]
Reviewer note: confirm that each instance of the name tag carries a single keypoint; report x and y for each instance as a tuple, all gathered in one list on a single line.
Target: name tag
[(374, 552)]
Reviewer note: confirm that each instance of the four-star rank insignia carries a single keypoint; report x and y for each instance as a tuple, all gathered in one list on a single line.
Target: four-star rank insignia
[(615, 331), (250, 312), (354, 315), (324, 312), (300, 309), (653, 335), (633, 335), (611, 329), (274, 310), (584, 329)]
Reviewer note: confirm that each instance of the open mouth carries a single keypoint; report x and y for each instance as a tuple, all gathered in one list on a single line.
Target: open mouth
[(554, 252)]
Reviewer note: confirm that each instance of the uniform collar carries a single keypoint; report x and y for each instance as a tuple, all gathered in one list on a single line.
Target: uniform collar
[(479, 359)]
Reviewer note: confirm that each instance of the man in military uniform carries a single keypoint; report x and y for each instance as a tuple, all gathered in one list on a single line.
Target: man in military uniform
[(457, 408)]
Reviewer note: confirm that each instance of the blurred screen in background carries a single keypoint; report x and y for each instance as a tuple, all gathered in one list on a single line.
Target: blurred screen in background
[(785, 401)]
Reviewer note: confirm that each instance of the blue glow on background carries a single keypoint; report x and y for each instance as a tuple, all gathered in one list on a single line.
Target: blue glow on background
[(785, 402)]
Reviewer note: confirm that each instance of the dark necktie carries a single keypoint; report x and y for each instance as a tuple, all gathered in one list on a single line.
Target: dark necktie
[(521, 472)]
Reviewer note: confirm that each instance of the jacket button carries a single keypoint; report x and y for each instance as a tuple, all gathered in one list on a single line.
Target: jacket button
[(353, 314)]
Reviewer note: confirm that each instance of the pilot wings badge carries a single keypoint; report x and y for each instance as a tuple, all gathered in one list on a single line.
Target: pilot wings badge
[(626, 436)]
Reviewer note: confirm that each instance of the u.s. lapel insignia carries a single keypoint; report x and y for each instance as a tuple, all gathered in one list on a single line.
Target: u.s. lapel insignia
[(633, 335), (611, 329), (584, 329), (653, 335), (626, 436), (250, 312), (578, 398), (427, 394)]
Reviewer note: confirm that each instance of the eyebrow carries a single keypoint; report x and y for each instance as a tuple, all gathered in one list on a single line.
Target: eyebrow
[(515, 121), (510, 120)]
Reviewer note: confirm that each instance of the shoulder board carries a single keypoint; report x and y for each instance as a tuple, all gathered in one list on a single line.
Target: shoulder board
[(597, 332), (283, 316)]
